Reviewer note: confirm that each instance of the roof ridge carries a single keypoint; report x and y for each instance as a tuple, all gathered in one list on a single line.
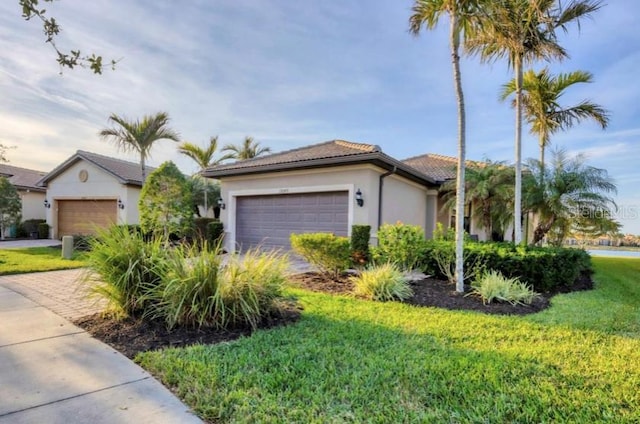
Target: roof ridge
[(84, 152), (21, 168), (360, 146)]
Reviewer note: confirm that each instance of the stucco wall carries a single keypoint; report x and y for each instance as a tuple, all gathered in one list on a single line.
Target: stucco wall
[(32, 205), (99, 185), (403, 201)]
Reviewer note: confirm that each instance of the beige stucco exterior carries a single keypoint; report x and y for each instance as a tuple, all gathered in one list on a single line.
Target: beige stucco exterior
[(98, 185), (32, 204), (402, 199)]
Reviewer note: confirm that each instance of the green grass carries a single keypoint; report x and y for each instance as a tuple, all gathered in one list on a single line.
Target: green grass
[(36, 259), (350, 360)]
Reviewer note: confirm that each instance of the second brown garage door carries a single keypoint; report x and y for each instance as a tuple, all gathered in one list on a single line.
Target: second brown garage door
[(85, 216), (268, 221)]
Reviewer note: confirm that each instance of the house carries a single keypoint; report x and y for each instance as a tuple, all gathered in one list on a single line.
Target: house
[(328, 187), (88, 191), (32, 196)]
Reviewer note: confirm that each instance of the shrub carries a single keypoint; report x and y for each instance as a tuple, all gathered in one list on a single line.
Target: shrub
[(197, 290), (546, 269), (82, 242), (400, 244), (30, 226), (494, 286), (382, 282), (330, 253), (43, 230), (360, 235), (124, 268), (215, 232), (200, 226)]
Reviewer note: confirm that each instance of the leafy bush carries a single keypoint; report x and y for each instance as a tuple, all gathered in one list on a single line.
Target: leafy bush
[(29, 226), (360, 235), (400, 244), (546, 269), (125, 268), (198, 290), (330, 253), (382, 282), (43, 230), (82, 242), (442, 256), (200, 226), (494, 286), (215, 232)]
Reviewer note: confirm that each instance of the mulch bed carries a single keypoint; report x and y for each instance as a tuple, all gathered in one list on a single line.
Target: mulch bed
[(131, 336)]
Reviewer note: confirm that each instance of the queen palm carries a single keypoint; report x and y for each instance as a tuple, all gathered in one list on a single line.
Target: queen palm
[(140, 135), (524, 31), (249, 149), (460, 12), (203, 158), (542, 108), (570, 192), (489, 191)]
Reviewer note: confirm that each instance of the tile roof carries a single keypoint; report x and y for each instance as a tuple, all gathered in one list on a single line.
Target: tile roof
[(330, 153), (22, 178), (126, 172), (326, 150), (439, 167)]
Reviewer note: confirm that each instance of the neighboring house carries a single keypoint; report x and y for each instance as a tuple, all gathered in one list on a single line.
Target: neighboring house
[(32, 196), (88, 191), (316, 189)]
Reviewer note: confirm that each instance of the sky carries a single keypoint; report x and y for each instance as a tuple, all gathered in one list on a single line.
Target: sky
[(295, 73)]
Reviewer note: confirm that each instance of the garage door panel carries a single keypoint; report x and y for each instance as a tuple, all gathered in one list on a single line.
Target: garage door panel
[(85, 216), (269, 221)]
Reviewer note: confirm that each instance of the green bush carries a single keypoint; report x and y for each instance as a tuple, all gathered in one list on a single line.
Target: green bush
[(494, 286), (197, 290), (215, 232), (382, 282), (330, 253), (43, 230), (546, 269), (82, 242), (360, 235), (200, 226), (400, 244), (29, 226), (124, 268)]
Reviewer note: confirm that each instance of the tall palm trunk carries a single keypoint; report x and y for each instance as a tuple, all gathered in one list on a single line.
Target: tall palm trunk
[(517, 210), (460, 182), (143, 168)]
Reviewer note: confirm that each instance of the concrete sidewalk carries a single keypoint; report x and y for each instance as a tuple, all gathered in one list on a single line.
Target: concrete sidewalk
[(18, 244), (52, 371)]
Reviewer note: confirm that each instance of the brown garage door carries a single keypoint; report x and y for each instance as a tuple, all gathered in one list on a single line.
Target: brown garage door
[(268, 221), (84, 216)]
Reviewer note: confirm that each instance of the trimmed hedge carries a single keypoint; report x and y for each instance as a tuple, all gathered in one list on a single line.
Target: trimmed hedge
[(330, 253), (546, 269), (400, 244), (360, 235)]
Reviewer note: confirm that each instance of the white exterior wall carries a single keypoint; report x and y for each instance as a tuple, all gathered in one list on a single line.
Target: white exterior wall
[(99, 185), (32, 205), (403, 201)]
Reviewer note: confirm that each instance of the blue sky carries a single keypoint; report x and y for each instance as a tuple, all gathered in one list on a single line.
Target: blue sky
[(293, 73)]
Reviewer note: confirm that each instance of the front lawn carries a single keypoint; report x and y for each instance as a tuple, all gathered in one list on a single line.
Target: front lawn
[(350, 360), (36, 259)]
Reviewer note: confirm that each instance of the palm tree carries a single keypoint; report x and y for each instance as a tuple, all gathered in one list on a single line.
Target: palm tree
[(204, 159), (524, 31), (570, 192), (541, 103), (460, 12), (139, 136), (247, 150), (489, 191)]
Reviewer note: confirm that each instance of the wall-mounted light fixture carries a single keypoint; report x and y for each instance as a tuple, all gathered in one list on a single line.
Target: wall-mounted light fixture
[(359, 199), (47, 205), (221, 204), (120, 204)]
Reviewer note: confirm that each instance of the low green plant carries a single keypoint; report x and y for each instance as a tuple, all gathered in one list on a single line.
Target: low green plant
[(123, 268), (330, 253), (43, 230), (215, 232), (37, 259), (360, 235), (494, 286), (382, 282), (198, 290), (400, 244)]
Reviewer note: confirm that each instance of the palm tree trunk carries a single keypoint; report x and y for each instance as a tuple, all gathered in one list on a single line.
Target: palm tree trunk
[(206, 205), (460, 182), (143, 169), (517, 210), (542, 148)]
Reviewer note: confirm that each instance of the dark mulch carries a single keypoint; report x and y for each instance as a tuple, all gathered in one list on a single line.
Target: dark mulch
[(131, 336), (441, 294)]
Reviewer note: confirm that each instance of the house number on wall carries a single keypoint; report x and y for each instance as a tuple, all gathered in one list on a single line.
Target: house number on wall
[(284, 190)]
